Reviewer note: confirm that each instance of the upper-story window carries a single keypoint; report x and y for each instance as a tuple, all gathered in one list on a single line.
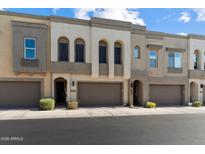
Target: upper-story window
[(137, 52), (29, 48), (117, 53), (63, 49), (153, 59), (196, 59), (79, 50), (102, 52), (175, 59)]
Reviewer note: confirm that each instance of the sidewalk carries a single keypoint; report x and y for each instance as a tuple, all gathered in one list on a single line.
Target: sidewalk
[(11, 114)]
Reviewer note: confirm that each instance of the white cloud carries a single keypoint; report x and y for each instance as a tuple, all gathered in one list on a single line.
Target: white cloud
[(55, 10), (131, 15), (185, 17), (184, 34), (200, 14), (83, 13)]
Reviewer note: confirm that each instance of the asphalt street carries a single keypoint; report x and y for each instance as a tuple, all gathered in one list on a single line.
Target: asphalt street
[(134, 130)]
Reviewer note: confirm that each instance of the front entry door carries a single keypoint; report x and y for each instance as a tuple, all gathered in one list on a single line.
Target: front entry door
[(60, 93)]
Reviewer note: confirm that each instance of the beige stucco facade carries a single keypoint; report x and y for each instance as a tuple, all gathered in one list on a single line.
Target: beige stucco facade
[(6, 54), (91, 71)]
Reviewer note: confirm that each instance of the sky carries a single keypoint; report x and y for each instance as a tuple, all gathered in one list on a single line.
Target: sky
[(175, 21)]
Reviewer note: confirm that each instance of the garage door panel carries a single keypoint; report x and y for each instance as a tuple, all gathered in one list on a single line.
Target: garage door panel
[(99, 94), (19, 94), (166, 95)]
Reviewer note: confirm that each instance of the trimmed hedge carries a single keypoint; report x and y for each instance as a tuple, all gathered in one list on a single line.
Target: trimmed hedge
[(47, 104), (197, 104), (150, 105)]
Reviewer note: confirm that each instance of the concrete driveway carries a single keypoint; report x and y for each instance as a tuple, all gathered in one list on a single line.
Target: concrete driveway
[(10, 114)]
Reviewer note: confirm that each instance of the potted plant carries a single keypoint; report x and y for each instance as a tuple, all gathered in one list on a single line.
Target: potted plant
[(72, 104)]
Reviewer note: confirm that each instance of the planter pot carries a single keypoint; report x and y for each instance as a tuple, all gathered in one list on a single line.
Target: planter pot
[(71, 105), (189, 104)]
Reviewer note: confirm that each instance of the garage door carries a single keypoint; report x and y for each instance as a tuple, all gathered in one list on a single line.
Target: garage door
[(19, 94), (166, 95), (99, 94)]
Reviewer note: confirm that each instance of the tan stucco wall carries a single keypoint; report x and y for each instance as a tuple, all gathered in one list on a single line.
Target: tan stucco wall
[(6, 53), (91, 36), (72, 90), (196, 44), (161, 70), (110, 36), (72, 32)]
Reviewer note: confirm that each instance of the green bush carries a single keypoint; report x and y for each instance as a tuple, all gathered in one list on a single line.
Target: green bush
[(150, 105), (47, 104), (197, 104)]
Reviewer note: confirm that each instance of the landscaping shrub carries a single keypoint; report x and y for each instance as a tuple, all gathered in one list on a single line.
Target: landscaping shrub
[(47, 104), (197, 104), (150, 105)]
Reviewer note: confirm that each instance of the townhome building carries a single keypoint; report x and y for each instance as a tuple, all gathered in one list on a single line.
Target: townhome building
[(99, 62)]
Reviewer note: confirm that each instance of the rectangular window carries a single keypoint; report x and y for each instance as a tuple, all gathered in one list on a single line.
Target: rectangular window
[(29, 48), (102, 54), (136, 53), (153, 59), (79, 55), (174, 59), (63, 52), (117, 55)]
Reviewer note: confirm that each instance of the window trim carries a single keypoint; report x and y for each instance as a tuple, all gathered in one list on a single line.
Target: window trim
[(25, 48), (68, 43), (84, 51), (153, 59), (138, 52), (115, 46), (175, 52), (106, 52), (197, 62)]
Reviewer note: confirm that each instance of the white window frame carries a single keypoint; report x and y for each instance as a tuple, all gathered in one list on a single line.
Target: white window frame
[(153, 59), (29, 48), (175, 52), (138, 55)]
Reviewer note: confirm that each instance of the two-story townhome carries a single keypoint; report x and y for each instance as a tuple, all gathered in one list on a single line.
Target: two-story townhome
[(24, 62), (90, 60), (196, 67), (100, 62), (158, 68)]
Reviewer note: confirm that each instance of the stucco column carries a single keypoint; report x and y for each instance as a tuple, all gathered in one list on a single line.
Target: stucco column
[(111, 59), (95, 58), (54, 48), (71, 50), (125, 92), (126, 61)]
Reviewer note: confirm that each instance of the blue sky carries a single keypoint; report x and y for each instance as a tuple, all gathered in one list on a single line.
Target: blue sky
[(176, 21)]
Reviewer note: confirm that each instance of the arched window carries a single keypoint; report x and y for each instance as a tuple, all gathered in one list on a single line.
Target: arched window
[(102, 52), (79, 50), (136, 52), (196, 59), (117, 53), (63, 49)]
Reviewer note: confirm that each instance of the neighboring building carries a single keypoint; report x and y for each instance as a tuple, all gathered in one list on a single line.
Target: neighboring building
[(24, 59), (196, 67), (100, 62)]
